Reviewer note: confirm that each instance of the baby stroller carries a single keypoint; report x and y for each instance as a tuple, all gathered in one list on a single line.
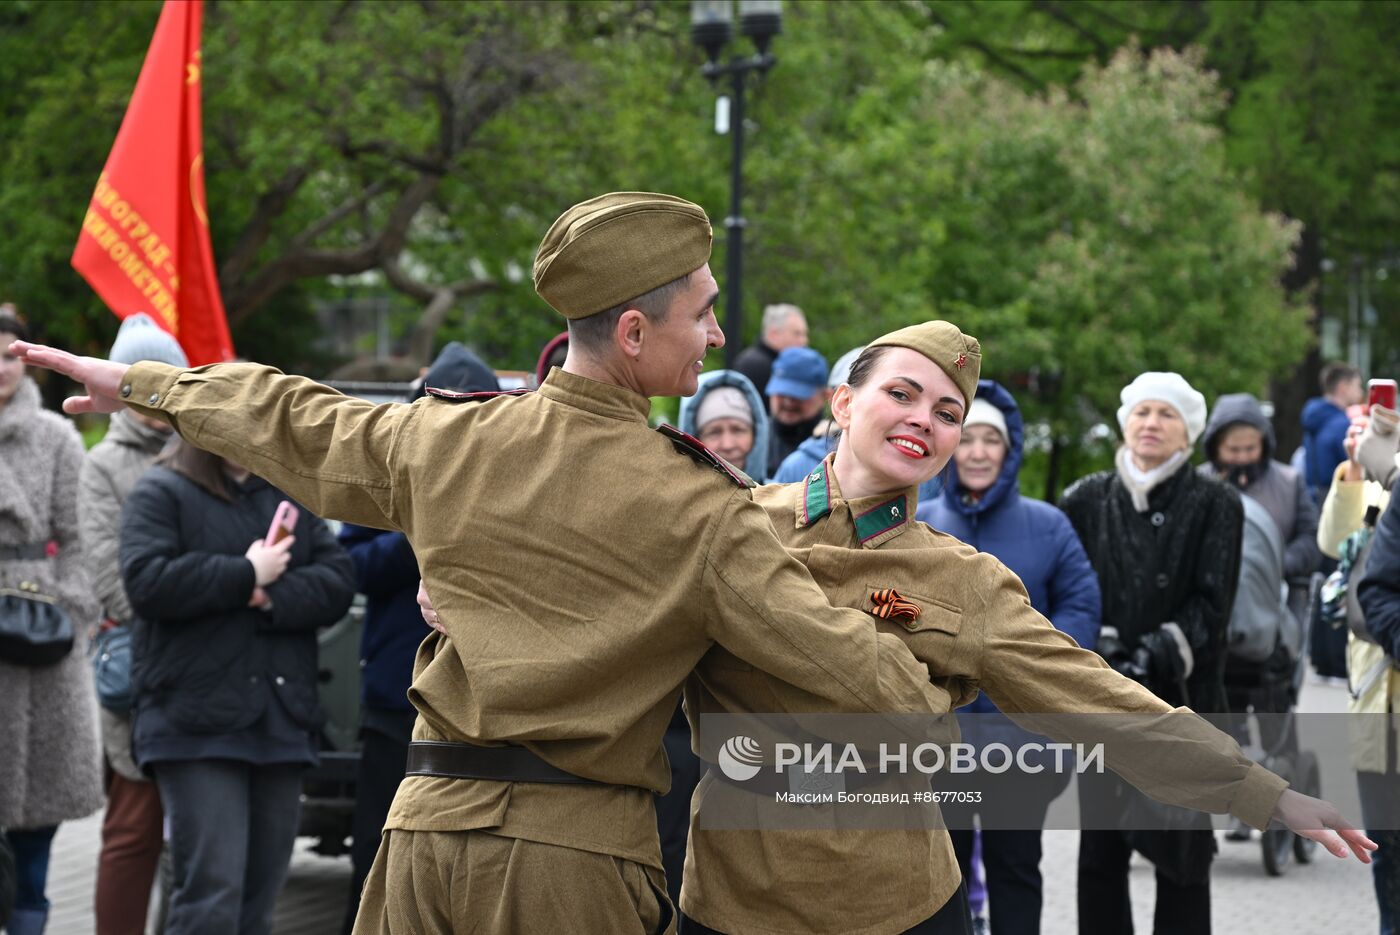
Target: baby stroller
[(1264, 673)]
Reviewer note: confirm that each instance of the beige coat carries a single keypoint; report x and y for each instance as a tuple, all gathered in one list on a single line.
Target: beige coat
[(1373, 678), (581, 564), (109, 472), (977, 630)]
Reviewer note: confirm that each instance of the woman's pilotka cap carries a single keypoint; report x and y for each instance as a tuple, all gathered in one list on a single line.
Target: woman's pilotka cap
[(956, 354), (607, 250)]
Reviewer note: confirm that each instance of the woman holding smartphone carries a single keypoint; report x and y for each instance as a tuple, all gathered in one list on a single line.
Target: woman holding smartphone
[(224, 672)]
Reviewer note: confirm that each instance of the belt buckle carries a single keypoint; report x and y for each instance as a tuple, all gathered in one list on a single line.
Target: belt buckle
[(814, 782)]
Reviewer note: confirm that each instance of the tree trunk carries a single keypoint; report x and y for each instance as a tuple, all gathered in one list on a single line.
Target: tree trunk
[(1052, 470), (1290, 392)]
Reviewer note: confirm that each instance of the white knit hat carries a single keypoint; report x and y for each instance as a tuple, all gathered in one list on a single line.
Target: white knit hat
[(723, 402), (1172, 389), (982, 412), (140, 338)]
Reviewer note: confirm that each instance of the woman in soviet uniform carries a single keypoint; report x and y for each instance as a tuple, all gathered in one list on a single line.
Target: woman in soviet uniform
[(968, 619)]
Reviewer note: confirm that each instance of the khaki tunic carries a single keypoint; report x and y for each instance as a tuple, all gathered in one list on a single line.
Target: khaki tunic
[(977, 630), (579, 562)]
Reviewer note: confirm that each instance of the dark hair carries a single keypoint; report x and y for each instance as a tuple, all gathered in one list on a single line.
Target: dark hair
[(9, 324), (595, 332), (865, 363), (860, 372), (1335, 374), (200, 467)]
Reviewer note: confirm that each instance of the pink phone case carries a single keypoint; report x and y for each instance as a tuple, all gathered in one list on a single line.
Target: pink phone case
[(283, 522)]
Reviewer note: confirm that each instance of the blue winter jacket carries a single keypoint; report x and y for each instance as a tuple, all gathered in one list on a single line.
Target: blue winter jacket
[(386, 573), (1324, 432), (756, 464), (1030, 537), (809, 454)]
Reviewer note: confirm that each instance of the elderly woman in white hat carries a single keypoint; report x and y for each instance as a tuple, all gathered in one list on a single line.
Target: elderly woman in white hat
[(1165, 543)]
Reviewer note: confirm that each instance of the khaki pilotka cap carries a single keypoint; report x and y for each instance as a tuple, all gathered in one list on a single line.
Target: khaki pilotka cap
[(606, 250), (957, 354)]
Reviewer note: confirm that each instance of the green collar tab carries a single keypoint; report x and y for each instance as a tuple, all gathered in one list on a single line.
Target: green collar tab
[(880, 519), (816, 495)]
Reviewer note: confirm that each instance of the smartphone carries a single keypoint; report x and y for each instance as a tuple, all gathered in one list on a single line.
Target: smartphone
[(1382, 393), (283, 522)]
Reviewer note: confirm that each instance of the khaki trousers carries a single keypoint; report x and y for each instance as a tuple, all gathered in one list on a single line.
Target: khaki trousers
[(442, 882)]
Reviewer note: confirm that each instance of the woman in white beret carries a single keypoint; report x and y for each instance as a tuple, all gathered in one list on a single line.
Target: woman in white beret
[(1165, 542)]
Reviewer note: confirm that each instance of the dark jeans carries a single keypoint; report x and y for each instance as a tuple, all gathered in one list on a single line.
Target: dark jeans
[(383, 760), (232, 827), (1011, 860), (1010, 856), (31, 849), (1105, 904), (955, 918), (673, 808), (1380, 810)]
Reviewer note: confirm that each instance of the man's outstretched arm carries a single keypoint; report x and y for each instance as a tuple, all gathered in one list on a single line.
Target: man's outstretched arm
[(330, 452)]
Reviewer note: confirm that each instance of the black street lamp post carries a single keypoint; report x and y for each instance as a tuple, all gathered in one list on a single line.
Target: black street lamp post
[(712, 27)]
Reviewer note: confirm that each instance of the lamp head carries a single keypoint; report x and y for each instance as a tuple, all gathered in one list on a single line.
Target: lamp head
[(711, 26)]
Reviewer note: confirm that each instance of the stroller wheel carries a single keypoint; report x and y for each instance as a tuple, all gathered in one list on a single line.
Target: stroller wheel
[(1275, 844), (1309, 783)]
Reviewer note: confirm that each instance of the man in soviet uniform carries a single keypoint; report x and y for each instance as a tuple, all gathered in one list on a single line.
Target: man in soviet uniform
[(581, 564)]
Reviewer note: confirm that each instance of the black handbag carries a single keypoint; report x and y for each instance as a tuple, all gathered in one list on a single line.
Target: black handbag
[(34, 629)]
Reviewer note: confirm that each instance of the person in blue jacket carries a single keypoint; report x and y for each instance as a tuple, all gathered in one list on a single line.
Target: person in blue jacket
[(982, 505), (1325, 424), (386, 573), (694, 409)]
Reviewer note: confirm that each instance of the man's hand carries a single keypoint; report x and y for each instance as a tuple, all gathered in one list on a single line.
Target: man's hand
[(430, 616), (101, 378), (1320, 821)]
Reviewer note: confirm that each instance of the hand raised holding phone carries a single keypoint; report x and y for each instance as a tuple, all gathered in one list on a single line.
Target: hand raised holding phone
[(269, 561)]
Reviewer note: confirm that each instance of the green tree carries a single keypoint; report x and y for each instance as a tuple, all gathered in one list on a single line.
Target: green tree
[(1086, 224), (1312, 122), (1085, 235)]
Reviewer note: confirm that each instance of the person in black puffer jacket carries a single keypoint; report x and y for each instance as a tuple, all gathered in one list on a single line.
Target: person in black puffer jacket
[(1165, 543), (225, 711)]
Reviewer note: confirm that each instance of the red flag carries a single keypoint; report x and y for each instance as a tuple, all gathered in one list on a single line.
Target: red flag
[(144, 246)]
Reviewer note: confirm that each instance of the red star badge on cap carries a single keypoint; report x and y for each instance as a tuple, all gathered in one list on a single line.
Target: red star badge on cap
[(961, 362)]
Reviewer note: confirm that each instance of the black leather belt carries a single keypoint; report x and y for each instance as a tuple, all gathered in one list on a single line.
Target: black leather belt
[(30, 552), (768, 782), (469, 761)]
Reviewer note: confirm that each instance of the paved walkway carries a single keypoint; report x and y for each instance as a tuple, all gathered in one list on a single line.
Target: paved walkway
[(1329, 895)]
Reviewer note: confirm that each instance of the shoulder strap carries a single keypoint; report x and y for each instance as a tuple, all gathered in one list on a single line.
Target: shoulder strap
[(694, 448), (452, 396)]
